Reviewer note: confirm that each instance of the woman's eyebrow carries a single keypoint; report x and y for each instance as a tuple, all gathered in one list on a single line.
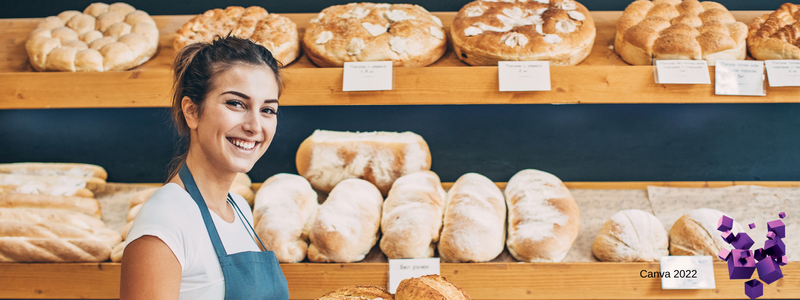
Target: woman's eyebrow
[(271, 101), (237, 94)]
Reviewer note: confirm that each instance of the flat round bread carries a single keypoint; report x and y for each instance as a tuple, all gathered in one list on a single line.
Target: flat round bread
[(485, 32), (103, 37), (406, 34), (276, 33), (776, 35), (675, 29)]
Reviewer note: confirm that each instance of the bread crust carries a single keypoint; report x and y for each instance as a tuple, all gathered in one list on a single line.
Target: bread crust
[(412, 216), (54, 169), (631, 235), (429, 287), (358, 292), (695, 234), (776, 35), (88, 206), (284, 211)]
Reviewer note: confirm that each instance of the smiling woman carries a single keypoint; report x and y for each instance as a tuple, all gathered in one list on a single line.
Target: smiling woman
[(191, 239)]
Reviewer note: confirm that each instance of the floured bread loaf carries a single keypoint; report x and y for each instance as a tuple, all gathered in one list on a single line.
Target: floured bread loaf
[(412, 216), (675, 29), (54, 169), (41, 189), (776, 35), (485, 32), (104, 37), (347, 224), (276, 33), (359, 292), (285, 209), (695, 233), (474, 221), (327, 157), (543, 218), (406, 34), (88, 206), (631, 235), (430, 287), (116, 252)]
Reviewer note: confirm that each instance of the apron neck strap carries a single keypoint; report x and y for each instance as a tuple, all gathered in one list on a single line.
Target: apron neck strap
[(191, 187)]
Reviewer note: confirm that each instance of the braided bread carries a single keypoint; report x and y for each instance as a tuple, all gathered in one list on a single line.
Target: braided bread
[(776, 35)]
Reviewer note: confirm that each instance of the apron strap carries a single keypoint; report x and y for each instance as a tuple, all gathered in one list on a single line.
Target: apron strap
[(243, 219), (191, 187)]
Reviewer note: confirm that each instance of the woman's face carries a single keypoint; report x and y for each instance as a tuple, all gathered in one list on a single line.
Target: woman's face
[(238, 120)]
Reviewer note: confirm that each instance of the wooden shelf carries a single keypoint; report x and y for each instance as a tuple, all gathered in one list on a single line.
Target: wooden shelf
[(602, 78)]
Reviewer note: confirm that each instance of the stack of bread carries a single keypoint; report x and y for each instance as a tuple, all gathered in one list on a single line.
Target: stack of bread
[(48, 215)]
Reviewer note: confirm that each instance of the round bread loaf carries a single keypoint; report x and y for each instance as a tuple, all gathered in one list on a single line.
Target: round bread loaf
[(776, 35), (631, 235), (359, 292), (104, 37), (543, 218), (485, 32), (675, 29), (695, 233), (412, 216), (406, 34), (276, 33), (283, 214), (429, 287)]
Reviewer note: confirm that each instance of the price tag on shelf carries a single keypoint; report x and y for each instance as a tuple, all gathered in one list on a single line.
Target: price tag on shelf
[(740, 78), (687, 273), (682, 72), (400, 269), (367, 76), (783, 72), (524, 76)]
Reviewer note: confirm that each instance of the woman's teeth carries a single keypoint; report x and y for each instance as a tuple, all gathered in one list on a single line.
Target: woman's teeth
[(242, 144)]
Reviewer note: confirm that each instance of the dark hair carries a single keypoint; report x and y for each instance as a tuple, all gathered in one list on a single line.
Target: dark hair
[(195, 68)]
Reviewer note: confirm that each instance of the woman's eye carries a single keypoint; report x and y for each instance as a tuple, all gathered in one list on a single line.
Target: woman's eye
[(235, 103), (269, 110)]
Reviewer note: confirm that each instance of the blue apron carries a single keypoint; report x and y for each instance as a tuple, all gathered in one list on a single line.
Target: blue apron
[(248, 275)]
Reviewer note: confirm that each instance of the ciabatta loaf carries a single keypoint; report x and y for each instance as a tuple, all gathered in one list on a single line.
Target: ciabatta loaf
[(631, 235), (89, 206), (328, 157), (695, 233), (543, 218), (285, 209), (54, 169), (347, 224), (412, 216), (776, 35), (429, 287), (359, 292), (474, 221)]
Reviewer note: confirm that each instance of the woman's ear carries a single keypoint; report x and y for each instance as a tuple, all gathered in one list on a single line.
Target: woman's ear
[(190, 112)]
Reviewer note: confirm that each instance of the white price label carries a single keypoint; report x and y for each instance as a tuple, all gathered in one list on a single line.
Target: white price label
[(687, 273), (523, 76), (682, 72), (740, 78), (400, 269), (783, 72), (367, 76)]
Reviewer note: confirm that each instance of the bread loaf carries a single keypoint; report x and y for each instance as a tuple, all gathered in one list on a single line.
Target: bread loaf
[(54, 169), (285, 209), (631, 235), (116, 252), (430, 287), (328, 157), (359, 292), (41, 189), (775, 35), (347, 224), (474, 221), (50, 216), (412, 216), (38, 180), (695, 233), (53, 242), (89, 206), (543, 218)]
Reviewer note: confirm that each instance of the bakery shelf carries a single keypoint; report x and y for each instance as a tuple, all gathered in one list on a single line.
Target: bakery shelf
[(602, 78)]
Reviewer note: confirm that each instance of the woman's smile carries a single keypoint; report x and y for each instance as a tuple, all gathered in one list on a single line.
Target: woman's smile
[(242, 143)]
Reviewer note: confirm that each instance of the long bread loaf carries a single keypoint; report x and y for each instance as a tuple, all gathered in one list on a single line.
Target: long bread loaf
[(412, 216)]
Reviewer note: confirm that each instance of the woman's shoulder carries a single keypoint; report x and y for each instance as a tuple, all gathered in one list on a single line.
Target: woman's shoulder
[(167, 201)]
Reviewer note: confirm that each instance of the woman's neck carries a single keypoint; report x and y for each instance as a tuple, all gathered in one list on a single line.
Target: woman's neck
[(213, 183)]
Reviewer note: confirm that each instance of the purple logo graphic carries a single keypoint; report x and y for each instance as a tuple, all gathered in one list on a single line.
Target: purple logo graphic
[(742, 261)]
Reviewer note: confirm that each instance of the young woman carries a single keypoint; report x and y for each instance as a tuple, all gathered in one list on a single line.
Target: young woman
[(192, 239)]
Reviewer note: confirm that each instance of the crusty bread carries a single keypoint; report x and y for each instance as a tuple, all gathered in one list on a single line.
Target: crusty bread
[(359, 292), (50, 216), (675, 29), (55, 169), (631, 235), (429, 287), (776, 35), (276, 33), (88, 206), (347, 224), (474, 221), (695, 233), (63, 181), (285, 209), (104, 37), (138, 198), (327, 157), (28, 236), (412, 216), (406, 34), (543, 218), (485, 32), (41, 189)]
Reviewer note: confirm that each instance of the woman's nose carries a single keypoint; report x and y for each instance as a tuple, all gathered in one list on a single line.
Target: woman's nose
[(252, 122)]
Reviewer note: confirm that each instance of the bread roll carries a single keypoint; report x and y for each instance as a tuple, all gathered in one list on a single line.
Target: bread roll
[(474, 221), (430, 287), (412, 216), (284, 211), (347, 225), (328, 157), (88, 206), (359, 292), (543, 218), (631, 235), (695, 233)]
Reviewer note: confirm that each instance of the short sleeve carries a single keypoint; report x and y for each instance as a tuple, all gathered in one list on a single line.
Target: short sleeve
[(158, 218)]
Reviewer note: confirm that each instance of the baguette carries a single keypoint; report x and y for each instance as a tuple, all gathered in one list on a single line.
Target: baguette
[(67, 181), (412, 216), (32, 189), (55, 169), (25, 242), (50, 216), (88, 206), (327, 157)]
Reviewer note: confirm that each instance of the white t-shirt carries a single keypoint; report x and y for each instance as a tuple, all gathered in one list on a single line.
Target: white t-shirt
[(172, 216)]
